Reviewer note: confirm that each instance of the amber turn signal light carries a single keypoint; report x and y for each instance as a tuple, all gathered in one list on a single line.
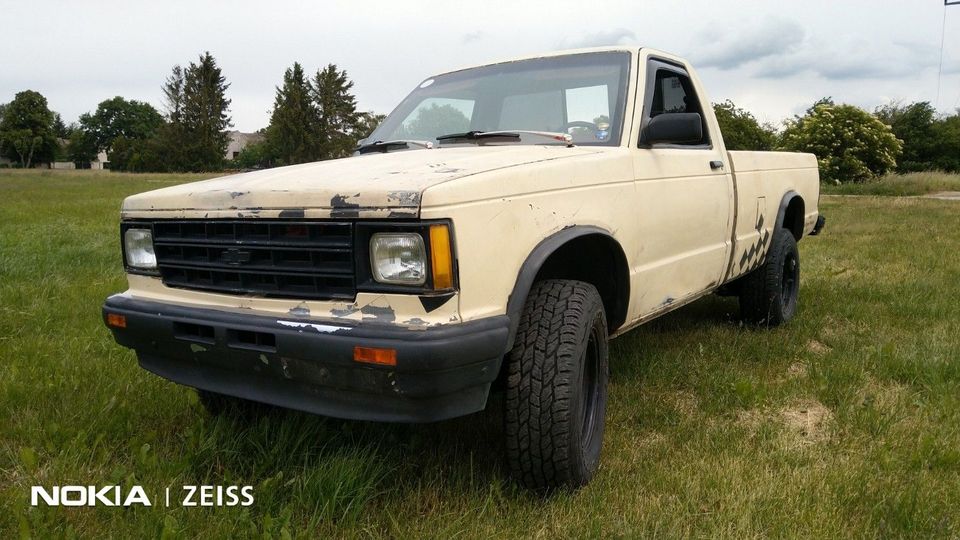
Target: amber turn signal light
[(116, 321), (441, 259), (373, 355)]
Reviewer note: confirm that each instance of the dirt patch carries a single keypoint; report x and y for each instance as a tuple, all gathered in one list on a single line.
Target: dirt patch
[(818, 348), (944, 196), (808, 420), (797, 370)]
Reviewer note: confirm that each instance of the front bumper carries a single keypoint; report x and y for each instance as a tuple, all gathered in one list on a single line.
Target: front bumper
[(307, 364)]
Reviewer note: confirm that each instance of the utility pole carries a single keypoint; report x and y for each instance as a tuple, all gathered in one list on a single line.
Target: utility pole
[(943, 35)]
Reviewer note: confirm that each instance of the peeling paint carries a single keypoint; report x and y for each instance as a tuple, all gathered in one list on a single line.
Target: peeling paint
[(345, 312), (411, 198), (300, 310), (235, 194), (339, 207), (322, 328), (292, 213), (379, 314), (416, 321)]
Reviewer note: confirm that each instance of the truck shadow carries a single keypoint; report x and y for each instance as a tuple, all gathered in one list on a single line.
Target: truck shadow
[(450, 456)]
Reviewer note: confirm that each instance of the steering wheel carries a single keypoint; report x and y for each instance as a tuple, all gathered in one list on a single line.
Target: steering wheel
[(579, 123)]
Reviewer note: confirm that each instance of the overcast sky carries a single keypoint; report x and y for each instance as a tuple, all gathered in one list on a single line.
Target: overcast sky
[(773, 58)]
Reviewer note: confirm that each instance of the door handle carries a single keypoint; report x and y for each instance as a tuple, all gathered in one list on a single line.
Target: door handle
[(714, 165)]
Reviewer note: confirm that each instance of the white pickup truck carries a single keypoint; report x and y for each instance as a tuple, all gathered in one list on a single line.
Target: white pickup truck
[(494, 232)]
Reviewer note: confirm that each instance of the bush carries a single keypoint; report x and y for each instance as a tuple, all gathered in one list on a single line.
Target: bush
[(740, 129), (851, 145)]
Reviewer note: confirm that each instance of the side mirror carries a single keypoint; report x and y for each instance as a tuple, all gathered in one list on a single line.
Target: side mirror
[(673, 128)]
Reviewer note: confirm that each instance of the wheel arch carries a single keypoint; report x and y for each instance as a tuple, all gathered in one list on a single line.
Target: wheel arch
[(790, 215), (607, 270)]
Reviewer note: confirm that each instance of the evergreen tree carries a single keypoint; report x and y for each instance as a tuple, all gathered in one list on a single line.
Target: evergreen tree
[(203, 114), (337, 116), (292, 136), (170, 136)]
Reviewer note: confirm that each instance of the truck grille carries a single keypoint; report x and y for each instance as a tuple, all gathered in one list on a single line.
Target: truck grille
[(271, 258)]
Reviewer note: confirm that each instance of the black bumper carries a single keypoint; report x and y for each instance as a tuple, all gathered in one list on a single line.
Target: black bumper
[(821, 221), (307, 364)]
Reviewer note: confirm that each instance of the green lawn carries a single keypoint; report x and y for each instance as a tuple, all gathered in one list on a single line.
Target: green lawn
[(844, 423)]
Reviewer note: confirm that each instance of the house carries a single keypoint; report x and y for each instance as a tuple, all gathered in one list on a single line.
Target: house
[(239, 141)]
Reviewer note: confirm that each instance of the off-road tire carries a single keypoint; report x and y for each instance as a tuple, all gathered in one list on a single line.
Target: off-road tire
[(769, 294), (556, 388)]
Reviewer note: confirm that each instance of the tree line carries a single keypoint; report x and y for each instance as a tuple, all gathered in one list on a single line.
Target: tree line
[(851, 144), (313, 118)]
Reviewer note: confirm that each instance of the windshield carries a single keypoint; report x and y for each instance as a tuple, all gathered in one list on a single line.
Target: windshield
[(580, 94)]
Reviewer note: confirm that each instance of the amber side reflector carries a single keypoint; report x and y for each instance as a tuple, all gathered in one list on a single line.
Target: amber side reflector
[(116, 321), (372, 355), (440, 257)]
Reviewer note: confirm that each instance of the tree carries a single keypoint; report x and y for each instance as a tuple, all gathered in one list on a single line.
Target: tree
[(929, 141), (368, 122), (255, 156), (432, 121), (851, 145), (946, 133), (26, 130), (337, 116), (740, 129), (60, 128), (81, 146), (292, 135), (118, 117), (204, 115)]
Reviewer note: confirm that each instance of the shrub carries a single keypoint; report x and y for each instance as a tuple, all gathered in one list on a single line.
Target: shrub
[(851, 145)]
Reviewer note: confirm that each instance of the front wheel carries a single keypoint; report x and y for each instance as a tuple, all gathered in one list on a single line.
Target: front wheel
[(557, 386), (769, 294)]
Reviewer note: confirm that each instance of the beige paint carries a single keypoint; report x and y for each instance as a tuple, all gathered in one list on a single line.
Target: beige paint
[(672, 214)]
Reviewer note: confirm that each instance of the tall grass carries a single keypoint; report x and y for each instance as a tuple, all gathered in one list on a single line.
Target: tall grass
[(909, 184)]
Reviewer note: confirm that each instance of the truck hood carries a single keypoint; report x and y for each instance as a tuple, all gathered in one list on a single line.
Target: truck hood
[(376, 185)]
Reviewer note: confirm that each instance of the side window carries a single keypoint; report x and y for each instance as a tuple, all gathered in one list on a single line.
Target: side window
[(436, 116), (674, 93)]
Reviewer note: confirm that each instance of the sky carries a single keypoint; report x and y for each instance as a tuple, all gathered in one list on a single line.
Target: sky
[(774, 58)]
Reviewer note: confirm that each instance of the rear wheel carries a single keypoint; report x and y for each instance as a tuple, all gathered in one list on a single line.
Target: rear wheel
[(769, 294), (557, 386)]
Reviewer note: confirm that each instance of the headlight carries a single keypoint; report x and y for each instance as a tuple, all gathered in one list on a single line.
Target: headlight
[(398, 258), (138, 245)]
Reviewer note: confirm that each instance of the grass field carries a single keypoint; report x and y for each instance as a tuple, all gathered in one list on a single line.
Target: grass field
[(844, 423), (910, 184)]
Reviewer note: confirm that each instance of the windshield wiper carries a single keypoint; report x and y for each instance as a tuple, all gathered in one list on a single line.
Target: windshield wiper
[(508, 134), (386, 146)]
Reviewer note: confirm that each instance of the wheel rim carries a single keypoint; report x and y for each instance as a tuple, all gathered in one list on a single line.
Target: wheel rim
[(590, 390), (790, 282)]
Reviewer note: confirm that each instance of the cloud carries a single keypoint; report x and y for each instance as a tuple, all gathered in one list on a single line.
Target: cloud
[(774, 37), (850, 60), (617, 36)]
